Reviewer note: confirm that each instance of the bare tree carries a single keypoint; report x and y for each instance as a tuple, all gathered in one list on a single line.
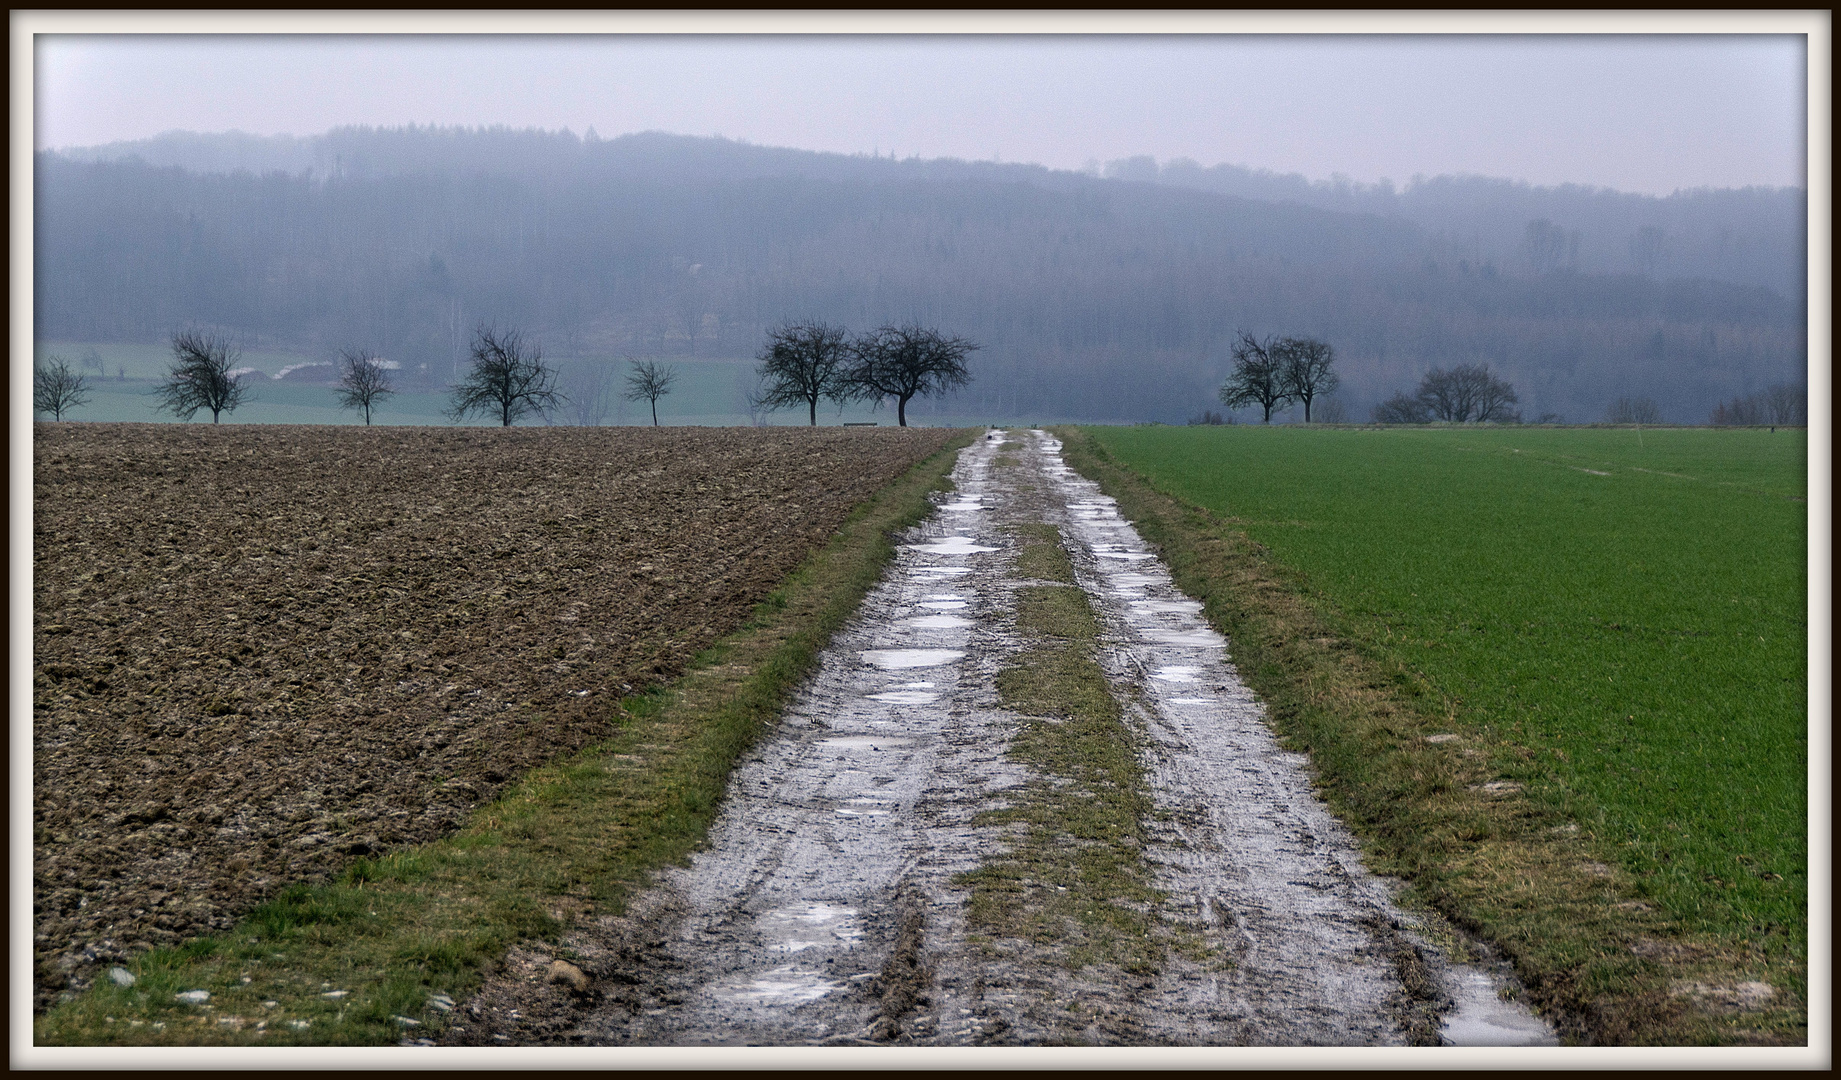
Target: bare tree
[(1739, 412), (1633, 411), (589, 390), (363, 381), (1402, 409), (1304, 370), (508, 380), (648, 381), (56, 389), (1466, 393), (1787, 404), (802, 364), (1258, 377), (1783, 404), (905, 362), (201, 376)]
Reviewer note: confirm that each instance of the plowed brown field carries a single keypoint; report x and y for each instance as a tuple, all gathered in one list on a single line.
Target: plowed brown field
[(259, 652)]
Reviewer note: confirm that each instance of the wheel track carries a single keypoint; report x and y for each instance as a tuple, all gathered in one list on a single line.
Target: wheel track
[(825, 911)]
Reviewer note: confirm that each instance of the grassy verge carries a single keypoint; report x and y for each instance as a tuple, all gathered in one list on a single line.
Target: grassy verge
[(385, 951), (1072, 878), (1441, 799)]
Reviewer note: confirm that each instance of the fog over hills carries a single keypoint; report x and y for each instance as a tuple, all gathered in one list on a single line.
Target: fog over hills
[(1105, 295)]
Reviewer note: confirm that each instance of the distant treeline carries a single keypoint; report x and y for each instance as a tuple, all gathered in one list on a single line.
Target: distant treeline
[(1095, 298)]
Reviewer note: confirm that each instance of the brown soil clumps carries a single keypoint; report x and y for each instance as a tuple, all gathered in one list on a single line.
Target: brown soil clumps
[(260, 652)]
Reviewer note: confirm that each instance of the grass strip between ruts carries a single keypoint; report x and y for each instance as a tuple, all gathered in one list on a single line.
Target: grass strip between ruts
[(1600, 963), (1071, 876), (386, 950), (1077, 849)]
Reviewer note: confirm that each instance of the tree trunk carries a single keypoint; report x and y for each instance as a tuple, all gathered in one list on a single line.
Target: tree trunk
[(901, 411), (654, 412), (814, 404)]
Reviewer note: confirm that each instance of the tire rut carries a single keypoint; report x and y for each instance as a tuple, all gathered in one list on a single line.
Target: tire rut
[(826, 910)]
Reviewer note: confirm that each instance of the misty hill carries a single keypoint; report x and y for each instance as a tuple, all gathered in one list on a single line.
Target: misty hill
[(1749, 236), (1107, 298)]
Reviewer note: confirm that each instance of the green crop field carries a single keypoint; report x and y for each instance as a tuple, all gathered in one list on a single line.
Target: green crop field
[(1629, 605)]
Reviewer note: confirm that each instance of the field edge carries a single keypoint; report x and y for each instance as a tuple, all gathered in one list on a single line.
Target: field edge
[(570, 840), (1513, 873)]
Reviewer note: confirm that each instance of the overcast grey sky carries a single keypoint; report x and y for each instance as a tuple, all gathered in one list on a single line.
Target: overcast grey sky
[(1649, 114)]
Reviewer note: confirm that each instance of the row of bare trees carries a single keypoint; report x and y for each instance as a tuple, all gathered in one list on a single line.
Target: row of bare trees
[(507, 381), (1782, 405), (804, 363), (1271, 372)]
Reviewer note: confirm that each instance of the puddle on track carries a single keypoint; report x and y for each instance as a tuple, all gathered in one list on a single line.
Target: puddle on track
[(906, 697), (892, 659), (939, 622), (860, 808)]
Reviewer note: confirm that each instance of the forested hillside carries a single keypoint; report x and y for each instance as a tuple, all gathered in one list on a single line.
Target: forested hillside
[(1098, 298)]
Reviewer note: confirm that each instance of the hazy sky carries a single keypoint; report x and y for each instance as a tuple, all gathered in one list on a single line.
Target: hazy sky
[(1648, 114)]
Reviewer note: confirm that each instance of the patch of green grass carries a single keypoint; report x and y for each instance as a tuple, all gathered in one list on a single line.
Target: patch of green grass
[(1617, 626), (1041, 555), (574, 838), (1073, 877)]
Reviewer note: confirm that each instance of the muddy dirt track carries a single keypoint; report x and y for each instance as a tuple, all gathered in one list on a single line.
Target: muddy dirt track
[(832, 906), (261, 651)]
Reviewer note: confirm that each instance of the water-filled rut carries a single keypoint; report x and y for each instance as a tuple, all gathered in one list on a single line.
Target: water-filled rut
[(832, 904)]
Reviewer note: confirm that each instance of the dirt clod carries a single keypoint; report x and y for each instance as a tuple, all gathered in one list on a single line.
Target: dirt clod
[(262, 652), (563, 973)]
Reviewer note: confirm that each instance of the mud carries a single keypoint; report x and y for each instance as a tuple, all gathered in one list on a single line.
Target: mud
[(825, 910), (260, 652)]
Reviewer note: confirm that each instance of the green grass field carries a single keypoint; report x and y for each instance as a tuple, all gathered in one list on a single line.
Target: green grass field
[(1632, 606)]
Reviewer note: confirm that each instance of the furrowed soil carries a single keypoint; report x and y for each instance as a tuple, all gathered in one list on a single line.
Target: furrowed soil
[(262, 652)]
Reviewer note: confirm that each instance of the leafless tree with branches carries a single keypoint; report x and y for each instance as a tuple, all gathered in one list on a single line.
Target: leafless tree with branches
[(1402, 409), (508, 380), (905, 362), (201, 376), (803, 364), (1305, 370), (1784, 404), (648, 381), (56, 389), (588, 386), (1258, 377), (363, 381), (1466, 393), (1633, 411), (1787, 404)]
